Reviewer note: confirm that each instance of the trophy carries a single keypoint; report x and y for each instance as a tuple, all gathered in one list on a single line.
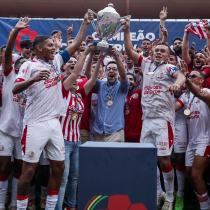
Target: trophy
[(107, 25)]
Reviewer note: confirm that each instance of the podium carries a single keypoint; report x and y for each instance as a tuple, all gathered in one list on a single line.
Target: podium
[(117, 176)]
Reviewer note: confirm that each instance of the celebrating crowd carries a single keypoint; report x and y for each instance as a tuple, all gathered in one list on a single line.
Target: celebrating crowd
[(54, 99)]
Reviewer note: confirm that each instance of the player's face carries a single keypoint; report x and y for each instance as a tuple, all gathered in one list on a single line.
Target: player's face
[(131, 81), (177, 45), (161, 53), (48, 49), (26, 52), (172, 60), (146, 46), (199, 60)]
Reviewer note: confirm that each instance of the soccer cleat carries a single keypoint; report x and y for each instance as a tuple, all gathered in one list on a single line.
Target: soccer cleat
[(179, 204), (167, 205), (160, 200)]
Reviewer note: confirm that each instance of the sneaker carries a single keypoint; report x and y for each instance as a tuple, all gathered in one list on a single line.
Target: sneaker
[(179, 204), (160, 200), (167, 205)]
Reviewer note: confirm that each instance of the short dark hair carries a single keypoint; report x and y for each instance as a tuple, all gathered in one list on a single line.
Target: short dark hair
[(39, 39), (55, 32), (177, 38), (133, 75), (110, 62), (26, 44)]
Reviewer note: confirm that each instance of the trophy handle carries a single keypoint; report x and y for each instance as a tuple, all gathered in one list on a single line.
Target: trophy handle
[(120, 25)]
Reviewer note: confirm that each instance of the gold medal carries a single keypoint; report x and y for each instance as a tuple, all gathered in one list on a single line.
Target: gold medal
[(187, 112), (109, 102), (74, 116)]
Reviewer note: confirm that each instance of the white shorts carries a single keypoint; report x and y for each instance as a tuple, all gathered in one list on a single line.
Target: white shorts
[(10, 146), (195, 150), (180, 138), (160, 133), (43, 135)]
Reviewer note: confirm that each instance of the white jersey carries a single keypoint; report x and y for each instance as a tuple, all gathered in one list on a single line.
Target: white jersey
[(198, 122), (44, 98), (11, 119), (157, 101), (180, 118)]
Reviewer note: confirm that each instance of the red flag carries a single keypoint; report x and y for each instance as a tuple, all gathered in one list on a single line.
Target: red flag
[(197, 28)]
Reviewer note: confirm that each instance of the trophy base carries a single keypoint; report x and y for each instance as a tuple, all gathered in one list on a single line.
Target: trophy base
[(103, 46)]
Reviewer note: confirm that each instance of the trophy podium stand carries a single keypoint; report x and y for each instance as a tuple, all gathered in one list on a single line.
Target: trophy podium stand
[(117, 176)]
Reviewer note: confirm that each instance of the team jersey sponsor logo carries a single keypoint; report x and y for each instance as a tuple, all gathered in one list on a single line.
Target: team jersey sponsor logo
[(152, 90), (52, 81), (20, 99), (135, 96), (194, 115)]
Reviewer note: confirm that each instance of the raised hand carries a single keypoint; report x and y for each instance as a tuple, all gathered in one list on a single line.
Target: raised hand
[(89, 16), (70, 30), (163, 13), (22, 23), (126, 23)]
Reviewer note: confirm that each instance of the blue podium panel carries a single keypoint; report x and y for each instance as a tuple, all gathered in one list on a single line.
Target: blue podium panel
[(117, 176)]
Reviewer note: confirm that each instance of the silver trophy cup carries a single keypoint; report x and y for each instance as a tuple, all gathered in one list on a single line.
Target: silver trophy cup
[(108, 23)]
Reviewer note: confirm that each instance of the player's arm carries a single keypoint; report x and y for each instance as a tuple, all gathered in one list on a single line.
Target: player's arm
[(83, 28), (185, 48), (178, 84), (163, 31), (21, 24), (178, 105), (198, 92), (128, 44), (21, 84), (92, 81), (77, 70)]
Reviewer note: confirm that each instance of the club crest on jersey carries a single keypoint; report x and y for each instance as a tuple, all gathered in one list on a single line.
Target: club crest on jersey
[(135, 95), (172, 69)]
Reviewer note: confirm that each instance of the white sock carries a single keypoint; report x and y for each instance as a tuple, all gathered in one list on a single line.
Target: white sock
[(159, 188), (3, 193), (180, 182), (51, 201), (204, 201), (14, 192), (22, 202), (169, 184)]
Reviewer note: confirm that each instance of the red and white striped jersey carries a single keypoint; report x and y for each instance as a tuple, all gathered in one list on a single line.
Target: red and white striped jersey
[(71, 122)]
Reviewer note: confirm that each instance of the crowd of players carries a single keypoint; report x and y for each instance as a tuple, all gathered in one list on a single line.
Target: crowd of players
[(54, 99)]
